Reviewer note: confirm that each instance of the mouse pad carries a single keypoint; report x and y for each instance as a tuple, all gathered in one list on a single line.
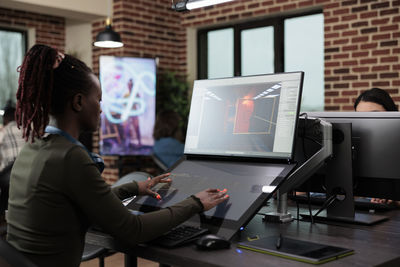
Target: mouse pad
[(298, 250)]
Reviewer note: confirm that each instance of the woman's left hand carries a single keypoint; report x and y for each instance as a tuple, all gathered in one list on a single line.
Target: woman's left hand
[(145, 186)]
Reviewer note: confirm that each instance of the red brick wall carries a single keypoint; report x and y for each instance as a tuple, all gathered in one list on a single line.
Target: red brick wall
[(50, 30), (148, 29), (361, 41)]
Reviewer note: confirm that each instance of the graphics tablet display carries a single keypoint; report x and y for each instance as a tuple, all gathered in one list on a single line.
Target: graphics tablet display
[(244, 182)]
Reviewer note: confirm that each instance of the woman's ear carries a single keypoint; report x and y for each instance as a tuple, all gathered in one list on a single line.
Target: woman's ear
[(77, 102)]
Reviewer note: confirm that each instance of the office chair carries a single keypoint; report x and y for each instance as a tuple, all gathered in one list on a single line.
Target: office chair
[(10, 256), (159, 163), (91, 252), (4, 187)]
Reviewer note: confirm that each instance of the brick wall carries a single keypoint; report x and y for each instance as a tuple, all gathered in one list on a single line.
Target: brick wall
[(50, 30), (362, 45), (361, 41), (148, 29)]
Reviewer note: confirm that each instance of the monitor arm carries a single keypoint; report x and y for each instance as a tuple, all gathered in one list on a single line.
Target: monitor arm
[(302, 173)]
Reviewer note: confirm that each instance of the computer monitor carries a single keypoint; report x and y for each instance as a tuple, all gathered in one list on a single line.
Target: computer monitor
[(253, 116), (240, 137), (376, 150), (366, 149)]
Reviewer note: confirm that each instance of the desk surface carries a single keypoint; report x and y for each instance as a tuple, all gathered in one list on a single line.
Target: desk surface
[(373, 245)]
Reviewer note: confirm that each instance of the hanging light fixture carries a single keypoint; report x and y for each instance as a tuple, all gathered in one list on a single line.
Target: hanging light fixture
[(183, 5), (108, 38)]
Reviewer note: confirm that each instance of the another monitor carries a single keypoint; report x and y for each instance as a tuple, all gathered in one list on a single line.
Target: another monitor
[(376, 150), (252, 116), (128, 105)]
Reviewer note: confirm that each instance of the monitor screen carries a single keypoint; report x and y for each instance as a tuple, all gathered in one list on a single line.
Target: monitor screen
[(128, 105), (375, 150), (252, 116)]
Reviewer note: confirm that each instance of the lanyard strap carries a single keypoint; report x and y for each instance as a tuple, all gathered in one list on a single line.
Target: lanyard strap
[(95, 157)]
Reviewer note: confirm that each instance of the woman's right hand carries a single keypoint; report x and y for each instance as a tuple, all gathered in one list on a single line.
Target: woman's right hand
[(212, 197)]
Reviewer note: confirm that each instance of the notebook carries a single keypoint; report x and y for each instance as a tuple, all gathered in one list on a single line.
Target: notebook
[(240, 136)]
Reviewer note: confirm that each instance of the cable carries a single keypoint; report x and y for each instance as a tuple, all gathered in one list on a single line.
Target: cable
[(326, 204), (309, 207)]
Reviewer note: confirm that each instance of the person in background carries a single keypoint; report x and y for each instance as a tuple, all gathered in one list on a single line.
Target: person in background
[(11, 140), (376, 100), (167, 147), (56, 188)]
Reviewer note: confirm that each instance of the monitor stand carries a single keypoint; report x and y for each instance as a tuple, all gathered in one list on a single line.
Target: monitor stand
[(339, 182)]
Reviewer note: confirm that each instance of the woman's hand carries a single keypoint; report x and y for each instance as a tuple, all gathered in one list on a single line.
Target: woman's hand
[(145, 186), (212, 197)]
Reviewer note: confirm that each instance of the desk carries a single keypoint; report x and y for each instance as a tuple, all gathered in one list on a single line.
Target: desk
[(373, 245)]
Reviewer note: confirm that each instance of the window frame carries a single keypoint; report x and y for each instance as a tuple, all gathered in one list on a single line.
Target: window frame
[(277, 22), (24, 34)]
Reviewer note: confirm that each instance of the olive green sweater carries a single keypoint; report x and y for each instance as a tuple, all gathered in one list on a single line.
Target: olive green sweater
[(56, 192)]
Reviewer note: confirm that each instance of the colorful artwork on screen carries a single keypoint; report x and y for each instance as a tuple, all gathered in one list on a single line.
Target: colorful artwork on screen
[(128, 105)]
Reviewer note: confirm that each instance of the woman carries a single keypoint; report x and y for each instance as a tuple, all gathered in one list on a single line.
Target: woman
[(374, 99), (167, 146), (56, 188)]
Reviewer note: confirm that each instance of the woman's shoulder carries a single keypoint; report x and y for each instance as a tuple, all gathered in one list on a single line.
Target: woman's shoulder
[(56, 146)]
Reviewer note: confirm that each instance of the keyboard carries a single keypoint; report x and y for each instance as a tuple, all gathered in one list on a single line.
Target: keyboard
[(361, 203), (179, 236)]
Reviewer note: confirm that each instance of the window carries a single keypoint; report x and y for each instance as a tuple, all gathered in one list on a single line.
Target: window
[(12, 50), (220, 53), (281, 44)]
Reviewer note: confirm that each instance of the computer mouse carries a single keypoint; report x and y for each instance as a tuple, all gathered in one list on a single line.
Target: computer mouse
[(210, 242)]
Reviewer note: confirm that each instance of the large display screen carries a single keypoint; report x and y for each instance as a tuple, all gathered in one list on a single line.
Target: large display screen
[(128, 105), (253, 116), (244, 182)]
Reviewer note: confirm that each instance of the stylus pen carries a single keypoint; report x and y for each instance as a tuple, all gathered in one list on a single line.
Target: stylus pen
[(279, 241)]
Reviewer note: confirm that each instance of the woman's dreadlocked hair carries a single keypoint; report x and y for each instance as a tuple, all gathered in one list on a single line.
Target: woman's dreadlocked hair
[(44, 90)]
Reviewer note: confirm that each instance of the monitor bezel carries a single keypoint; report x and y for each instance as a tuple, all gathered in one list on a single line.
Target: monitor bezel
[(288, 158)]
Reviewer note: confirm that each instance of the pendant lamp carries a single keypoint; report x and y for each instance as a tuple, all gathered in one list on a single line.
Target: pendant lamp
[(183, 5), (108, 38)]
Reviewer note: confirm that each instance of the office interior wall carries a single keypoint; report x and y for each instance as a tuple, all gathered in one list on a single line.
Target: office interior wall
[(78, 40), (49, 30), (86, 10), (362, 44), (148, 29), (361, 40)]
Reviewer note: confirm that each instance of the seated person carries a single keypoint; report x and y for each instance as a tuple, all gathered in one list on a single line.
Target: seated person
[(11, 143), (56, 188), (167, 147), (374, 99), (377, 100), (11, 140)]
